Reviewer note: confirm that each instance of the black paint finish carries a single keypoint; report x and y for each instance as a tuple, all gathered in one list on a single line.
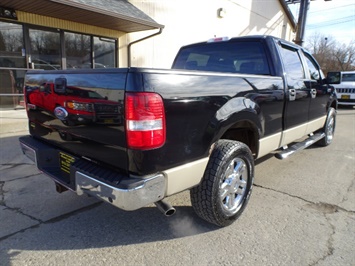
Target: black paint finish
[(200, 106)]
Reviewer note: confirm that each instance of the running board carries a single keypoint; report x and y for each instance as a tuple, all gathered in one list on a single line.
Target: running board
[(299, 146)]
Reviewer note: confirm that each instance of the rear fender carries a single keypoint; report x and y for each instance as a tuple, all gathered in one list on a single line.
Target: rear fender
[(240, 116)]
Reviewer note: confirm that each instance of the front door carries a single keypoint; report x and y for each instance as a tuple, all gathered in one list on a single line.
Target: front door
[(298, 95), (320, 92)]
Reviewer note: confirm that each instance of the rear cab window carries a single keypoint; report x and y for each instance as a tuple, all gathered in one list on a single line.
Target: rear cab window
[(247, 57)]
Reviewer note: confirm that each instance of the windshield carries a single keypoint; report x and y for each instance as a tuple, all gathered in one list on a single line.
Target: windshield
[(348, 77)]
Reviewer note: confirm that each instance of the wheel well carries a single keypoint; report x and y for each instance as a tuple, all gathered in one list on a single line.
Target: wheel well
[(334, 105), (244, 132)]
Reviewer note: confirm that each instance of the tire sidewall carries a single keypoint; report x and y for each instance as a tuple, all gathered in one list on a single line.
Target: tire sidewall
[(331, 115), (238, 150), (325, 141)]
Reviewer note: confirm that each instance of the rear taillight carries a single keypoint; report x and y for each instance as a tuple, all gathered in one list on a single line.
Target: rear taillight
[(145, 120)]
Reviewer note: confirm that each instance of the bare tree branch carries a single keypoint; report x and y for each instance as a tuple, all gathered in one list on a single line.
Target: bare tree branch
[(330, 54)]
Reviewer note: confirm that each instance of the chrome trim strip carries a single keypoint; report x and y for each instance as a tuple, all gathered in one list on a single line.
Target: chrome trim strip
[(148, 191)]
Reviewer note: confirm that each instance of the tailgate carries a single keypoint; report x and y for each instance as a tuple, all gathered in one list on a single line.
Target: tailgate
[(80, 112)]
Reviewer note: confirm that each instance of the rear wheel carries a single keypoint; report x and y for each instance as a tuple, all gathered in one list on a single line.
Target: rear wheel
[(225, 188), (329, 128)]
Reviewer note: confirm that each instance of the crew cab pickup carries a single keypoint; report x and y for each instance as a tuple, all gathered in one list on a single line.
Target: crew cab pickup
[(198, 126)]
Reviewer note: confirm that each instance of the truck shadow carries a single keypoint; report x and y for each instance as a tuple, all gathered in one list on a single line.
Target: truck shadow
[(98, 225), (102, 226)]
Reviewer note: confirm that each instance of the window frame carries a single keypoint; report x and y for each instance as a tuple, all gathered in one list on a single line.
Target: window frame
[(23, 43), (298, 53), (309, 58), (27, 45)]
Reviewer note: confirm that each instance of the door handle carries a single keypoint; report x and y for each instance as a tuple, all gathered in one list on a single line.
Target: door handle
[(292, 94), (313, 93)]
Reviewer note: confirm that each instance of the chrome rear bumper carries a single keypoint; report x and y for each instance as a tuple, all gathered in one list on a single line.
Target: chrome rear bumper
[(131, 192), (148, 191)]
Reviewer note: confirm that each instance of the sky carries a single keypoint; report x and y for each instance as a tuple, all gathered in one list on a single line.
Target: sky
[(335, 18)]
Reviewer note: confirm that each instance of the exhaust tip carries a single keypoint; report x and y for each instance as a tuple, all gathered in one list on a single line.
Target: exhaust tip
[(170, 212), (60, 188), (165, 208)]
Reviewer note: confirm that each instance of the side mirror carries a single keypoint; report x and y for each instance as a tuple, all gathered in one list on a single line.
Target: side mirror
[(334, 78), (60, 85)]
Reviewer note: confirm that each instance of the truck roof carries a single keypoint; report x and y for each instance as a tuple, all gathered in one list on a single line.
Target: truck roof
[(247, 37)]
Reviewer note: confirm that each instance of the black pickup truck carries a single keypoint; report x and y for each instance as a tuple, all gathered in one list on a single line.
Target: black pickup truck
[(198, 126)]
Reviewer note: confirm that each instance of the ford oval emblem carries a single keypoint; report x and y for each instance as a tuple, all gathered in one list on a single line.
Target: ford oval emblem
[(60, 113)]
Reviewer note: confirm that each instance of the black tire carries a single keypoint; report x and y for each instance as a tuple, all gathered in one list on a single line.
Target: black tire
[(329, 128), (225, 188)]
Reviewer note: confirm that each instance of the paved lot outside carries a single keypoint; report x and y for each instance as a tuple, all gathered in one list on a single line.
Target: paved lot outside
[(302, 212)]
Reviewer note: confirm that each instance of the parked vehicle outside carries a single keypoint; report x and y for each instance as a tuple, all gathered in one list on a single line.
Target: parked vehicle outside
[(198, 126), (344, 83)]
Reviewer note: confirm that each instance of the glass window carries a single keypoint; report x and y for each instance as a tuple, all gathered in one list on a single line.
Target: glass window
[(235, 57), (12, 52), (77, 50), (45, 49), (104, 52), (348, 77), (312, 67), (292, 63), (333, 77), (45, 52)]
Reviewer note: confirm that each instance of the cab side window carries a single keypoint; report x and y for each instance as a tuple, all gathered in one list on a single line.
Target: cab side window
[(292, 63), (47, 89), (313, 68)]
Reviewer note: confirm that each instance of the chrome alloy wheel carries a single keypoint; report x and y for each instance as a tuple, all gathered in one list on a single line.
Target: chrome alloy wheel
[(233, 186), (329, 131), (225, 188)]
